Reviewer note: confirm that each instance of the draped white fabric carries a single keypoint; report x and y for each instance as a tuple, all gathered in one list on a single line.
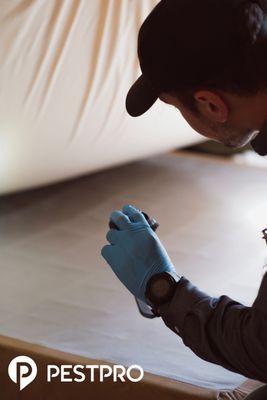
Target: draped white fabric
[(65, 69)]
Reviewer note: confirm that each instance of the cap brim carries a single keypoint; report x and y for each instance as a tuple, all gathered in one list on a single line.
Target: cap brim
[(141, 97)]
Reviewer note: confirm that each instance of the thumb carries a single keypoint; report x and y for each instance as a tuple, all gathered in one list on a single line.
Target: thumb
[(107, 253)]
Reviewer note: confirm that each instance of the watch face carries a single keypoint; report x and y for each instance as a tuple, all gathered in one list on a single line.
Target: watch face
[(160, 289)]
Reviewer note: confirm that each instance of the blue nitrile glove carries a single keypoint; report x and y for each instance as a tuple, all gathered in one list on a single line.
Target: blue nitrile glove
[(135, 252)]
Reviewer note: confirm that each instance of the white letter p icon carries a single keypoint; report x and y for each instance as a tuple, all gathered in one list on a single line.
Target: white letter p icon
[(22, 370)]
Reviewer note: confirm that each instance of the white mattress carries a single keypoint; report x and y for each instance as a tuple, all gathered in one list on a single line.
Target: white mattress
[(65, 69), (56, 290)]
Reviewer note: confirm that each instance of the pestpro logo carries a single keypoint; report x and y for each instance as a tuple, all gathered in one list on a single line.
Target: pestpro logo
[(22, 370)]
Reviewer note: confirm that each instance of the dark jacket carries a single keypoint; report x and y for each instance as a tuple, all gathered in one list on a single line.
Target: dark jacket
[(221, 330)]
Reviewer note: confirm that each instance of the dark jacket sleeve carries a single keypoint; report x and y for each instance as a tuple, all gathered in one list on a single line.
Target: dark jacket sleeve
[(221, 330)]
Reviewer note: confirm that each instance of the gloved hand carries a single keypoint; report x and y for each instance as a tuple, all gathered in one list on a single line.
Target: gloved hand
[(135, 252)]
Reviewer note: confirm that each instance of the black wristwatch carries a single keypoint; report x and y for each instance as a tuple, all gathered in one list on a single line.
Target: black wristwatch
[(161, 287)]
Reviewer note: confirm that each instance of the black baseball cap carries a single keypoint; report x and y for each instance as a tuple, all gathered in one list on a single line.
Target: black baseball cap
[(184, 43)]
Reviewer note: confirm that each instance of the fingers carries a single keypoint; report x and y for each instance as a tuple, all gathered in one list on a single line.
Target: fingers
[(120, 220), (134, 214)]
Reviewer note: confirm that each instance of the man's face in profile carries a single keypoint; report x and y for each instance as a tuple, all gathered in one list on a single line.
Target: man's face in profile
[(228, 133)]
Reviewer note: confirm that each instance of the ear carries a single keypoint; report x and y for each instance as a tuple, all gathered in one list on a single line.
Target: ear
[(212, 106)]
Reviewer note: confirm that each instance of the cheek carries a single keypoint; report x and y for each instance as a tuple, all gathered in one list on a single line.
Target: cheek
[(200, 126)]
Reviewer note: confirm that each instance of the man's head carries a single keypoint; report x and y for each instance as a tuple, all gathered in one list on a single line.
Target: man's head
[(208, 59)]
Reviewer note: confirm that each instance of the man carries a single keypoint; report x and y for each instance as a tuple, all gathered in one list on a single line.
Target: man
[(208, 59)]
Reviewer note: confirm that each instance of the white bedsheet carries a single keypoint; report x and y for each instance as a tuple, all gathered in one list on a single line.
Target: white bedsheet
[(56, 290), (65, 69)]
